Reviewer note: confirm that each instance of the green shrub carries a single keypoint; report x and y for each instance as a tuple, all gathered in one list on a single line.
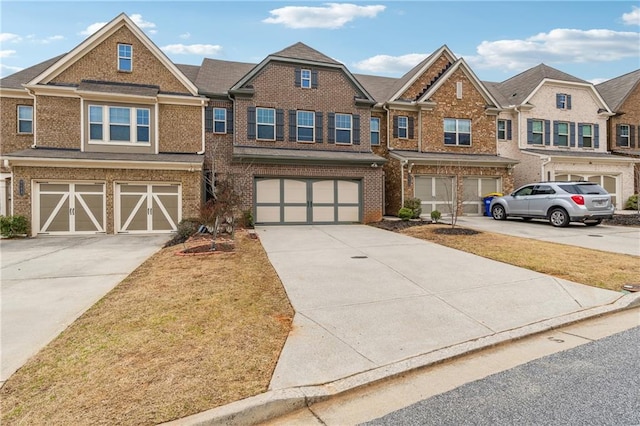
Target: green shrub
[(436, 215), (405, 213), (632, 203), (415, 205), (247, 218), (12, 226)]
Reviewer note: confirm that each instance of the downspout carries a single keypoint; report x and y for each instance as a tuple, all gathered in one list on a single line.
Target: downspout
[(542, 166), (402, 164), (386, 108), (203, 130), (35, 128), (419, 129)]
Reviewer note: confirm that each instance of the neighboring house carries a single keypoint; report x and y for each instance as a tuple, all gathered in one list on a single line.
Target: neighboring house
[(292, 135), (556, 125), (622, 94), (108, 138), (437, 126)]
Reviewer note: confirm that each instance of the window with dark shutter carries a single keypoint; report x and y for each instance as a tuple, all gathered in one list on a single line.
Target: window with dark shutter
[(230, 120), (572, 134), (298, 78), (547, 132), (314, 79), (632, 136), (292, 125), (596, 136), (411, 134), (251, 123), (395, 126), (509, 131), (356, 129)]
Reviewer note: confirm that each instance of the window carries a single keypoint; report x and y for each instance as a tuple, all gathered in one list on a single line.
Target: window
[(115, 124), (375, 131), (266, 123), (537, 131), (562, 134), (219, 120), (305, 79), (25, 119), (343, 128), (457, 132), (563, 101), (586, 135), (305, 125), (502, 129), (403, 127), (125, 57), (624, 135)]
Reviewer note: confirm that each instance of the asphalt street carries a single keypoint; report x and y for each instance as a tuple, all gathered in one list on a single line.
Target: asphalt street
[(593, 384)]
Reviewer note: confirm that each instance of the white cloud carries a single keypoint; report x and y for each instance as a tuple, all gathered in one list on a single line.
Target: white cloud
[(149, 27), (9, 38), (7, 53), (33, 39), (597, 80), (8, 69), (633, 17), (185, 36), (386, 64), (92, 28), (329, 15), (192, 49), (556, 46)]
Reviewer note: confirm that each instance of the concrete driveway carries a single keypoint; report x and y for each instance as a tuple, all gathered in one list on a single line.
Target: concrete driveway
[(367, 299), (615, 239), (48, 282)]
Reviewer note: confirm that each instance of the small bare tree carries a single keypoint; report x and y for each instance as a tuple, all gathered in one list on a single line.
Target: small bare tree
[(219, 213)]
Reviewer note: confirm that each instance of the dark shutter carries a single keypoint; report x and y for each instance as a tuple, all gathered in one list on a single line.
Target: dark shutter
[(293, 124), (596, 136), (331, 128), (618, 135), (509, 131), (314, 79), (298, 79), (410, 122), (558, 103), (208, 119), (568, 101), (251, 123), (530, 131), (356, 129), (230, 120), (547, 132), (632, 136), (580, 135), (572, 134), (555, 133), (395, 126), (319, 126), (279, 124)]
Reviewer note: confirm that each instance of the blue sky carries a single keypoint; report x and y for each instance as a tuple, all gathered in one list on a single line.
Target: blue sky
[(592, 40)]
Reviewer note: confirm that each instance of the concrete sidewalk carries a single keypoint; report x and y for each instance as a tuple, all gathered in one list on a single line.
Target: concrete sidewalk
[(372, 304)]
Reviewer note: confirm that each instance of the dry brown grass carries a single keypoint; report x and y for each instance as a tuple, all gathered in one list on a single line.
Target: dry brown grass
[(592, 267), (180, 335)]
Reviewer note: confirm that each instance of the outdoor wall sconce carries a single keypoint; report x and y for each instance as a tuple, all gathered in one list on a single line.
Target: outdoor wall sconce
[(21, 187)]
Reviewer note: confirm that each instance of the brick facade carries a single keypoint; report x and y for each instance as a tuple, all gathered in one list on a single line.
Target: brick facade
[(11, 139), (58, 122), (629, 114), (180, 128)]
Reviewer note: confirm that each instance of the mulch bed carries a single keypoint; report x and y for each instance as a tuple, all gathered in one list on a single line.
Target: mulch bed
[(200, 244), (623, 220)]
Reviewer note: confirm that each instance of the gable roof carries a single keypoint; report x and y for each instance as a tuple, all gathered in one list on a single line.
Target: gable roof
[(616, 90), (381, 88), (300, 53), (96, 38), (216, 77), (518, 88)]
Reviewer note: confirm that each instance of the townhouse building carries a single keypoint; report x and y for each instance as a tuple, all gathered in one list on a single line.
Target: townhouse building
[(113, 137), (556, 125)]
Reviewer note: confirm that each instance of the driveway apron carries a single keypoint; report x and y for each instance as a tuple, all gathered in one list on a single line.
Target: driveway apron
[(48, 282), (365, 298)]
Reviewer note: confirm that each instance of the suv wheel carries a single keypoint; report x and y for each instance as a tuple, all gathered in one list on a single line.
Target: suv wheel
[(558, 217), (498, 212)]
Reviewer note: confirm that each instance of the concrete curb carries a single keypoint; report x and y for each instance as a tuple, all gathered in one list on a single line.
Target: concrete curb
[(276, 403)]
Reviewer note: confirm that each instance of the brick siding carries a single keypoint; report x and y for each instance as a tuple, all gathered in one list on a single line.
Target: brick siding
[(11, 140)]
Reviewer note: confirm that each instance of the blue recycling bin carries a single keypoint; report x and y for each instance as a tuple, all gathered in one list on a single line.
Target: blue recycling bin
[(487, 205)]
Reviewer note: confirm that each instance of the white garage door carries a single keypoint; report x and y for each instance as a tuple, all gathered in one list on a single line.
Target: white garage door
[(436, 193), (608, 182), (70, 207), (305, 201), (474, 189), (144, 208)]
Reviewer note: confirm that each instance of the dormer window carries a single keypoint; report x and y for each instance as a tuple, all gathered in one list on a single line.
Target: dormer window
[(125, 57)]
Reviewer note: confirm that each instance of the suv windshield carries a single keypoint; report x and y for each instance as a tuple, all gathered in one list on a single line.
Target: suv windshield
[(583, 188)]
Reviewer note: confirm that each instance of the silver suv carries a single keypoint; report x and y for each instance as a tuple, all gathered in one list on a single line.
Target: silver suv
[(559, 202)]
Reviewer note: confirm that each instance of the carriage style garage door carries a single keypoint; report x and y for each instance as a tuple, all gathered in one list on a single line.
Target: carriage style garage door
[(70, 207), (306, 201), (474, 189), (142, 207)]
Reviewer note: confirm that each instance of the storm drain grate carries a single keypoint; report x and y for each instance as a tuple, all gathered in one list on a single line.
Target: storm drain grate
[(593, 235), (359, 257)]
